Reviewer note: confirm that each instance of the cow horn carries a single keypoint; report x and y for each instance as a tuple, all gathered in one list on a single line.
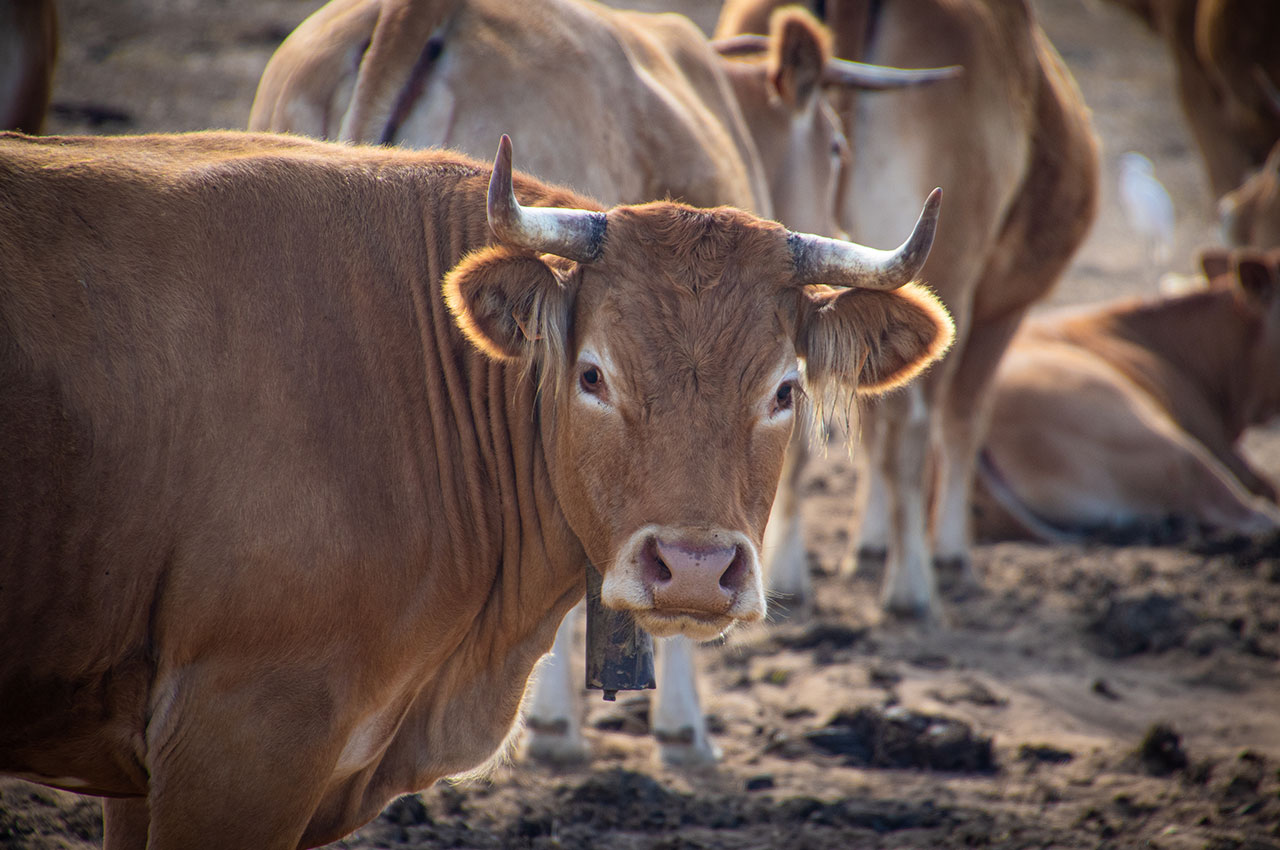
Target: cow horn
[(835, 262), (844, 72), (569, 233)]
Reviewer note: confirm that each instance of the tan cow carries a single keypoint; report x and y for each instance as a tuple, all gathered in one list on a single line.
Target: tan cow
[(1125, 418), (1228, 71), (626, 107), (291, 509), (28, 53), (1011, 141)]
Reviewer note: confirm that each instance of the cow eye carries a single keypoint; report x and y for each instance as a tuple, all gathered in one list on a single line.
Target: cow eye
[(785, 397), (590, 380)]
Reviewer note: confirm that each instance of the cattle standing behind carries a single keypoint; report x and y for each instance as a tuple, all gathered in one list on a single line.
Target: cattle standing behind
[(1124, 419), (28, 53), (1012, 140), (1228, 72), (287, 522), (624, 106)]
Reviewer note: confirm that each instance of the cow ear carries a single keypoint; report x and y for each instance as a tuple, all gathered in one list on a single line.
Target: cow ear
[(1258, 280), (798, 50), (1215, 262), (510, 303), (870, 341)]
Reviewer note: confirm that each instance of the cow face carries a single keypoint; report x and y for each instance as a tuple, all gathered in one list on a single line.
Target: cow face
[(669, 346)]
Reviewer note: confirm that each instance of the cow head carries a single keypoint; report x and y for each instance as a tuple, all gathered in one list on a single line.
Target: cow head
[(669, 342), (783, 83)]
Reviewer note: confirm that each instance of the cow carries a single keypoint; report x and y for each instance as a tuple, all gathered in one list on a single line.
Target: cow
[(1250, 213), (304, 447), (1010, 137), (28, 54), (1227, 71), (685, 119), (1123, 420)]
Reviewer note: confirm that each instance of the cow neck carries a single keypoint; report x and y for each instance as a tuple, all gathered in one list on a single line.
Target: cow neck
[(1197, 341)]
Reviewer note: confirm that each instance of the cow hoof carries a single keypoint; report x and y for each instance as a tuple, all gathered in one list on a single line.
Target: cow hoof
[(918, 611), (551, 743), (957, 579), (868, 564), (685, 749)]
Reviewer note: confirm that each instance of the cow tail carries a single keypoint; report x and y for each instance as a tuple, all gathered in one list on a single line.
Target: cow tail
[(405, 43), (990, 478)]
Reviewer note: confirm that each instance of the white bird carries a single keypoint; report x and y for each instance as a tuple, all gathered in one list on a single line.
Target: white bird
[(1148, 208)]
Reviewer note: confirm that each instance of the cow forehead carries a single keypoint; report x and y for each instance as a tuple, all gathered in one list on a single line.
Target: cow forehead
[(684, 247)]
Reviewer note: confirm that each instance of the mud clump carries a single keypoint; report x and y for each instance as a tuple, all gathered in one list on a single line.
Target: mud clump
[(896, 737), (1134, 625), (1160, 752)]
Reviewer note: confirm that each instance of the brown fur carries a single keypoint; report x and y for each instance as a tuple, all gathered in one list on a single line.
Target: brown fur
[(278, 541), (1219, 47), (1128, 415)]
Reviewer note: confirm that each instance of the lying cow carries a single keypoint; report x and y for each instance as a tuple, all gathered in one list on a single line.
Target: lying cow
[(28, 53), (1126, 418), (1011, 137), (291, 509), (684, 122)]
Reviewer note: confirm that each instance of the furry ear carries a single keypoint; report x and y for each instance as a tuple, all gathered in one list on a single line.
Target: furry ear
[(1215, 262), (799, 47), (509, 303), (870, 341), (1258, 280)]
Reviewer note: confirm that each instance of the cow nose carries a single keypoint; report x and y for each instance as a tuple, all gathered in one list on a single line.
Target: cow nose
[(693, 577)]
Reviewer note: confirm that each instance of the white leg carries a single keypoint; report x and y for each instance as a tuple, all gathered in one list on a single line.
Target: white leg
[(678, 722), (952, 534), (552, 715), (910, 588)]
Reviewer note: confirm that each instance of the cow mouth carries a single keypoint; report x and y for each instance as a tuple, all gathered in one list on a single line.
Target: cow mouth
[(695, 625)]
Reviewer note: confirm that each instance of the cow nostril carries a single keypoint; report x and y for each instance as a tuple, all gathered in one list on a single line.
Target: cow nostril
[(731, 579), (656, 570), (663, 571)]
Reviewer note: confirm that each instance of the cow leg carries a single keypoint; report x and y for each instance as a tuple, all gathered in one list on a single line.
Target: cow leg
[(678, 721), (238, 765), (874, 496), (552, 717), (910, 589), (124, 823), (786, 564), (966, 410)]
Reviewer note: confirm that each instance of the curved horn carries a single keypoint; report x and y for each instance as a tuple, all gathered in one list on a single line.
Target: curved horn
[(846, 72), (741, 45), (572, 234), (835, 262)]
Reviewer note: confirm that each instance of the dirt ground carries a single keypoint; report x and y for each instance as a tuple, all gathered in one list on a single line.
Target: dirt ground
[(1087, 697)]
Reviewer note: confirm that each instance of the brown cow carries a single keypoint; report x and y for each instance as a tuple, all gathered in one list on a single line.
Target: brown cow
[(1124, 418), (1250, 213), (28, 53), (1228, 70), (1011, 140), (626, 107), (290, 513)]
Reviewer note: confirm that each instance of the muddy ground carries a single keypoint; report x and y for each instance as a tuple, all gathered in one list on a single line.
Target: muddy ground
[(1090, 696)]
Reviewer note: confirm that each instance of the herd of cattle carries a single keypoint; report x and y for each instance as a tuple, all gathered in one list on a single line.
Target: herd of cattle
[(305, 442)]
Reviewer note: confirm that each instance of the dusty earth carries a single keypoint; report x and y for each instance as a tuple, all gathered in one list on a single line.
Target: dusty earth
[(1088, 697)]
